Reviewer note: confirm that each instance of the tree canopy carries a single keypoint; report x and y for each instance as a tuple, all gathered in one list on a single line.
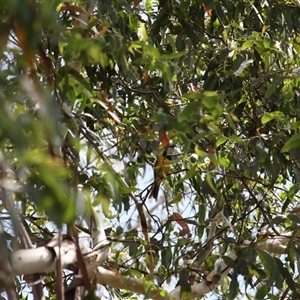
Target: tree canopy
[(92, 92)]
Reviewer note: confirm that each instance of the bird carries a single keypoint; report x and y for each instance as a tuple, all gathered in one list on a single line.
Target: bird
[(161, 169)]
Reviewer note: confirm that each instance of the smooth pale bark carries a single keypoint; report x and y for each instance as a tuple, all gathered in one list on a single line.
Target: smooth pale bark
[(274, 245), (136, 285), (42, 259), (99, 240)]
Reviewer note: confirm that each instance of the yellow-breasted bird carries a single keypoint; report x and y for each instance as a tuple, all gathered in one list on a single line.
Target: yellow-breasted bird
[(162, 168)]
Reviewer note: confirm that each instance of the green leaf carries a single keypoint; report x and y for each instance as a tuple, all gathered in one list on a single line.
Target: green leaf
[(210, 182), (270, 264), (190, 109), (262, 292), (220, 141), (236, 139), (192, 96), (225, 162), (292, 143), (166, 257), (172, 55), (286, 274), (152, 51), (212, 101), (247, 44), (185, 287), (233, 288), (190, 32), (143, 32), (267, 117), (193, 169)]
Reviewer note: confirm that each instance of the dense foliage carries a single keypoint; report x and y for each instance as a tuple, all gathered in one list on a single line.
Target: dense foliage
[(92, 92)]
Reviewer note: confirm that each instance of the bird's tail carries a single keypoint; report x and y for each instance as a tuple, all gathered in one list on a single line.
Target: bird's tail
[(155, 190)]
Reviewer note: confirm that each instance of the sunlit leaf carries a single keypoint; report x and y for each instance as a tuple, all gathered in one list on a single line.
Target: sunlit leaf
[(267, 117), (247, 44)]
